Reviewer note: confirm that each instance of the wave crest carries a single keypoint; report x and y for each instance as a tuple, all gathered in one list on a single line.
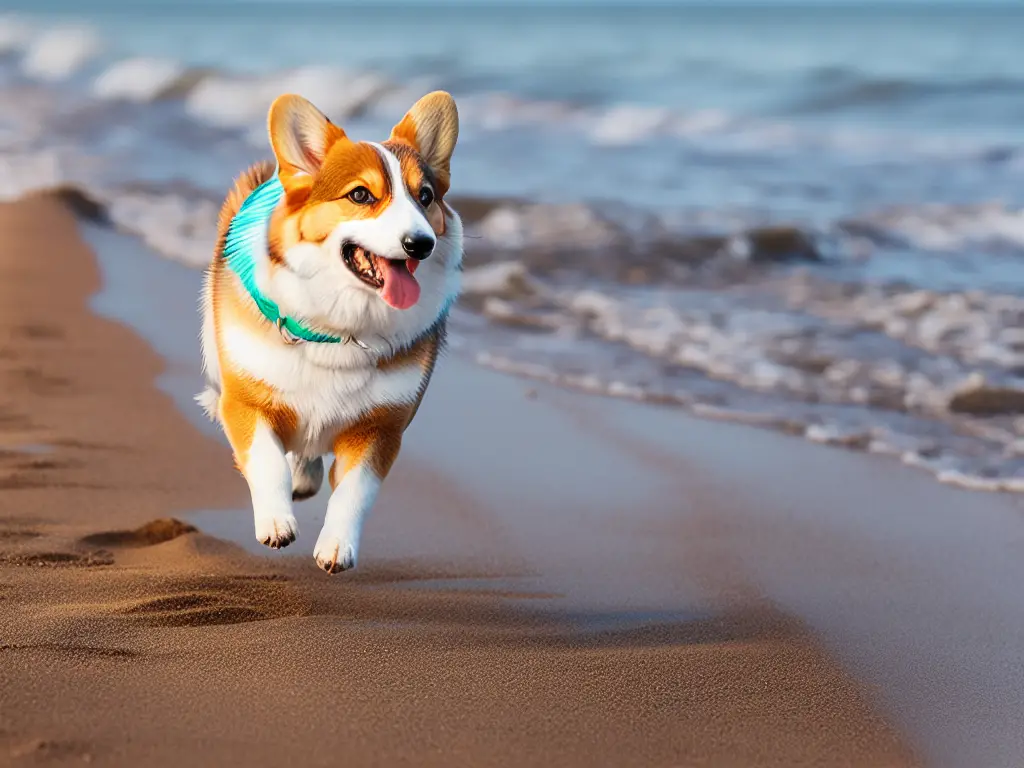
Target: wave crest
[(58, 53), (139, 79), (233, 101)]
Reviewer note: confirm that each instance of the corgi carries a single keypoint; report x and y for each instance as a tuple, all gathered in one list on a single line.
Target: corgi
[(324, 311)]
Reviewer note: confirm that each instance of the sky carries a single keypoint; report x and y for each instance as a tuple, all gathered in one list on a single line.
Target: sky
[(485, 3)]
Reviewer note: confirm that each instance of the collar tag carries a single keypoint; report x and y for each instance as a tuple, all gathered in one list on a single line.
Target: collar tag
[(288, 336), (354, 340)]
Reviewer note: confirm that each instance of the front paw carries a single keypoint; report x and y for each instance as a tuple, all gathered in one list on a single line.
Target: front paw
[(333, 554), (277, 531)]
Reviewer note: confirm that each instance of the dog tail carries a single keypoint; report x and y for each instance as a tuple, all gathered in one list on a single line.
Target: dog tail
[(209, 401)]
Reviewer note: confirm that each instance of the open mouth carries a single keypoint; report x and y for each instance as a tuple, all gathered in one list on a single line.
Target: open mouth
[(392, 278)]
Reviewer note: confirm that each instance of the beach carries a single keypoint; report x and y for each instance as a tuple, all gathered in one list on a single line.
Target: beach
[(554, 584), (723, 464)]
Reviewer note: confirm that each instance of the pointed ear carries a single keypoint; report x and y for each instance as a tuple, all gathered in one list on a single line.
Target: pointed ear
[(431, 127), (300, 135)]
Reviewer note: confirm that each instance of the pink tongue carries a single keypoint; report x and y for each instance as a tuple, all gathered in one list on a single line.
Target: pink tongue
[(400, 289)]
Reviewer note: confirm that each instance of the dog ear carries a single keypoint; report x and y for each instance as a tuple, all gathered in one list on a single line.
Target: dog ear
[(431, 127), (300, 135)]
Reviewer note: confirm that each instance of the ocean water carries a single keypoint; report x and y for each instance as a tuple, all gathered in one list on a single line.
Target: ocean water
[(809, 217)]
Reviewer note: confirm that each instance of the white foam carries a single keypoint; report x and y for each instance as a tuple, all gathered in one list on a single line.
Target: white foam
[(138, 79), (499, 111), (831, 434), (974, 482), (977, 330), (629, 124), (394, 99), (180, 229), (238, 102), (700, 123), (23, 173), (499, 278), (950, 228), (58, 53)]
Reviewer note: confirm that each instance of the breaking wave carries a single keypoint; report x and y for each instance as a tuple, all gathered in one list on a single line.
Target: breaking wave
[(239, 100)]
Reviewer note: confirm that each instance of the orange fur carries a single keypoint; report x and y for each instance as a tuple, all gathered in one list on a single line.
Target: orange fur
[(373, 441), (347, 166), (246, 401), (378, 436)]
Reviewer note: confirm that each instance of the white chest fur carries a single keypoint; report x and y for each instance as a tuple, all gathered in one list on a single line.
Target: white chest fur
[(329, 387)]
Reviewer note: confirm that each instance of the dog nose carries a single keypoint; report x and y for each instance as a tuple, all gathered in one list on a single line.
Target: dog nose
[(418, 246)]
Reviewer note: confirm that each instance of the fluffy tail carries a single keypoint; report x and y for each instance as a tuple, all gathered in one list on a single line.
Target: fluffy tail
[(209, 401)]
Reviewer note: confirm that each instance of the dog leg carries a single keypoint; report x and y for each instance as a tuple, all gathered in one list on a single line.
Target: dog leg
[(270, 483), (261, 458), (307, 476), (363, 457)]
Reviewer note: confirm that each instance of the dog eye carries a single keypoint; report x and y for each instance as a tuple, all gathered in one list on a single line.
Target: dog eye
[(360, 196), (426, 197)]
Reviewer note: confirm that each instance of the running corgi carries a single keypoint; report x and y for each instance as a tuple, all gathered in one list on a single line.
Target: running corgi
[(324, 311)]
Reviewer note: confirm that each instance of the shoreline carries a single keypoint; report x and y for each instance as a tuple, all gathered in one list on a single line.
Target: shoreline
[(975, 396), (419, 653)]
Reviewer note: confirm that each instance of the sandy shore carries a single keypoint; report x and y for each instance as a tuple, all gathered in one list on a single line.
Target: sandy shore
[(547, 579)]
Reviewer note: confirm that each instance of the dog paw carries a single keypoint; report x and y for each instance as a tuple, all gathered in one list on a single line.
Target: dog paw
[(334, 555), (278, 531)]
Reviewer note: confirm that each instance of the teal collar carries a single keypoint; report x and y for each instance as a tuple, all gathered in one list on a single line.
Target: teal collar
[(246, 236)]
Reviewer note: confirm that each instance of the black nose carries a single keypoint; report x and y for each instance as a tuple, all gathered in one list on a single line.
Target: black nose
[(418, 246)]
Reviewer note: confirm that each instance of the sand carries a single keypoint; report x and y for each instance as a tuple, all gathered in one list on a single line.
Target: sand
[(527, 600)]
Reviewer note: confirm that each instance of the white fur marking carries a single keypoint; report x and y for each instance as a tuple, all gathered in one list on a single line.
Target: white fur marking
[(418, 224), (326, 399), (270, 484), (383, 235), (337, 548)]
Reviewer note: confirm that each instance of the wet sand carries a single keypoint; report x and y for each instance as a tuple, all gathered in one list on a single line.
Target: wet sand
[(547, 579), (913, 586)]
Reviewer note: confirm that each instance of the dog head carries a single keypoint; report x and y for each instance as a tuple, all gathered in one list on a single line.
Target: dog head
[(364, 230)]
